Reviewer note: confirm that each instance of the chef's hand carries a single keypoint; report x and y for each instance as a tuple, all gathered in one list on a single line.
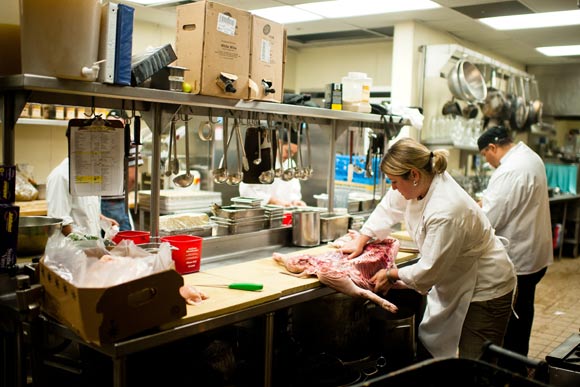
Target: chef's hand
[(381, 281), (110, 220), (298, 203), (355, 247)]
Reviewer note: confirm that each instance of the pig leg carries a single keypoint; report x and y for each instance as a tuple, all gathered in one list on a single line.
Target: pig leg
[(345, 285)]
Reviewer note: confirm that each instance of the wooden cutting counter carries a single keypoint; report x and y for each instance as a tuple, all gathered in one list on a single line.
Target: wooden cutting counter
[(265, 271), (225, 307)]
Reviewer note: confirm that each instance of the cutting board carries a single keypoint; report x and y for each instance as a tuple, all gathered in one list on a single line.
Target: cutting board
[(221, 300), (32, 208), (263, 270)]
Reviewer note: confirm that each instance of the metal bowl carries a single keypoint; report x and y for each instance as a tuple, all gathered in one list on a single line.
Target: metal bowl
[(33, 233), (472, 82)]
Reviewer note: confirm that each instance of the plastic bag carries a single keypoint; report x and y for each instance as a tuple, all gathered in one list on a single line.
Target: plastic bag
[(25, 190), (96, 267)]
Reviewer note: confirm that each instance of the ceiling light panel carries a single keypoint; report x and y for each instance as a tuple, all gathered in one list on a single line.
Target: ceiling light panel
[(535, 20), (352, 8), (560, 50), (286, 14)]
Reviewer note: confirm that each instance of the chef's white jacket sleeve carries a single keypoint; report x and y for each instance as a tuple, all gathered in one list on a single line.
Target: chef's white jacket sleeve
[(444, 241), (58, 199), (389, 212), (505, 191)]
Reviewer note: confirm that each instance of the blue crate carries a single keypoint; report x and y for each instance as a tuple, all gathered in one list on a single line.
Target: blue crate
[(341, 169)]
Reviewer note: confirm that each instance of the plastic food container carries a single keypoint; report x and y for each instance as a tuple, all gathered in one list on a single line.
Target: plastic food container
[(187, 255), (137, 237)]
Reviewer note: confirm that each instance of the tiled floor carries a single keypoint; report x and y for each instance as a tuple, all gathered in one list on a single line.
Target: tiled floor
[(557, 307)]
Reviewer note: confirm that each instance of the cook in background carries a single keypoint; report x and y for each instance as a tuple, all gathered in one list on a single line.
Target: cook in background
[(81, 214), (280, 192), (114, 206), (463, 268), (517, 205)]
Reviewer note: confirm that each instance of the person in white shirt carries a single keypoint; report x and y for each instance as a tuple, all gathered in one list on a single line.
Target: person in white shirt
[(517, 205), (79, 213), (463, 267), (280, 192)]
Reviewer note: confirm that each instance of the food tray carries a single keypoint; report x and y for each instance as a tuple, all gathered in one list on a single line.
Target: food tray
[(252, 202), (173, 200), (240, 227), (201, 231), (234, 212), (274, 222)]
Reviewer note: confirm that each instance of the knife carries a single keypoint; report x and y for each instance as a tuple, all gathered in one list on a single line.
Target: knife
[(238, 286)]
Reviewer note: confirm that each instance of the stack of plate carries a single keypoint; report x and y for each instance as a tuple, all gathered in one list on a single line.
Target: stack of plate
[(275, 214)]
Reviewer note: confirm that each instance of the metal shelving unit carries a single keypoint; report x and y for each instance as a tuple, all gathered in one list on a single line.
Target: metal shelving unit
[(159, 106)]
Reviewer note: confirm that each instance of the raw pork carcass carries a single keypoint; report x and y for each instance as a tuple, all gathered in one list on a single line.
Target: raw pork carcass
[(351, 277)]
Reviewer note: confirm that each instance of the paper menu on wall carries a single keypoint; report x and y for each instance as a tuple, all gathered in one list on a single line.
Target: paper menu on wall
[(96, 158)]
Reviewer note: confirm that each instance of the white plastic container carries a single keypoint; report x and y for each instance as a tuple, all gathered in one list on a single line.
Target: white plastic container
[(60, 38), (356, 92)]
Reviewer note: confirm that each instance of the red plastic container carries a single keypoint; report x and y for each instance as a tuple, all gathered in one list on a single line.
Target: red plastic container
[(287, 219), (135, 236), (187, 257)]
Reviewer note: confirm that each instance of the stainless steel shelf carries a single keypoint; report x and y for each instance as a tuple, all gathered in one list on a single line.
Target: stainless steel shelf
[(54, 90)]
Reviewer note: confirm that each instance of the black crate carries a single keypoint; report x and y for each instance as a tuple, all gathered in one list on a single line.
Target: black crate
[(451, 372)]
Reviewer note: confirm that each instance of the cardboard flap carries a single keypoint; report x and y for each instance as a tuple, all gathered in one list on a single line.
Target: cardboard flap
[(140, 304)]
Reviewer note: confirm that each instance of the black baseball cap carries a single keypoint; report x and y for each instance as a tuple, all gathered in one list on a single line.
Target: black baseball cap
[(492, 136)]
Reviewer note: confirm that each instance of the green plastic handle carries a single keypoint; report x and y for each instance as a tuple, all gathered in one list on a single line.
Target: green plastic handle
[(246, 286)]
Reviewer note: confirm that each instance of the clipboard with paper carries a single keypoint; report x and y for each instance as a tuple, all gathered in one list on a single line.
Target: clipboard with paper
[(96, 157)]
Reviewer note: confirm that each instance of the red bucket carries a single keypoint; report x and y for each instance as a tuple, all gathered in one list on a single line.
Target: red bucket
[(188, 256), (135, 236)]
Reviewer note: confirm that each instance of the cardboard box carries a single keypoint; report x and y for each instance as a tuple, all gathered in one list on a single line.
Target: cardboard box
[(105, 315), (267, 53), (9, 216), (213, 42), (7, 184)]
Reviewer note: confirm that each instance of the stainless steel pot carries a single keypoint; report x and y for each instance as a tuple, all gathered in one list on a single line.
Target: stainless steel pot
[(466, 82), (306, 228), (33, 234)]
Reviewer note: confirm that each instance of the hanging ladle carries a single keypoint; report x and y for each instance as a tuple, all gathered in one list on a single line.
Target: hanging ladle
[(220, 174), (309, 169), (169, 168), (237, 177), (278, 171), (288, 173), (267, 177), (186, 179), (258, 160)]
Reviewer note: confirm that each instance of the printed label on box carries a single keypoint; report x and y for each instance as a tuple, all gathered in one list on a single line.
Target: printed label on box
[(226, 24), (265, 51)]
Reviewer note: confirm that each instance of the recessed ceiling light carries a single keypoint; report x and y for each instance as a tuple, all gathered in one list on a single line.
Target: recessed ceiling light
[(560, 50), (350, 8), (286, 14), (533, 20)]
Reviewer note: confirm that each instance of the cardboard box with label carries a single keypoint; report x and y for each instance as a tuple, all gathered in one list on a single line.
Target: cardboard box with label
[(267, 59), (213, 42), (105, 315)]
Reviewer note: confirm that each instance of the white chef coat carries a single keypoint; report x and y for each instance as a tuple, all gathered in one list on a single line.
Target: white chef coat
[(516, 202), (83, 212), (285, 190), (462, 260)]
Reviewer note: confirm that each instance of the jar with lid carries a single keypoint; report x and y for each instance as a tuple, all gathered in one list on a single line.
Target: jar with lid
[(356, 92)]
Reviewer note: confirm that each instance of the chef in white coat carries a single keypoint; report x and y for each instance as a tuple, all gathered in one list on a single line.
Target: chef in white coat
[(280, 192), (517, 205), (463, 267), (81, 214)]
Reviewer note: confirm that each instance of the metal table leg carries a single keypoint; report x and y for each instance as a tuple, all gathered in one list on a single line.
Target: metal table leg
[(120, 371), (268, 349)]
